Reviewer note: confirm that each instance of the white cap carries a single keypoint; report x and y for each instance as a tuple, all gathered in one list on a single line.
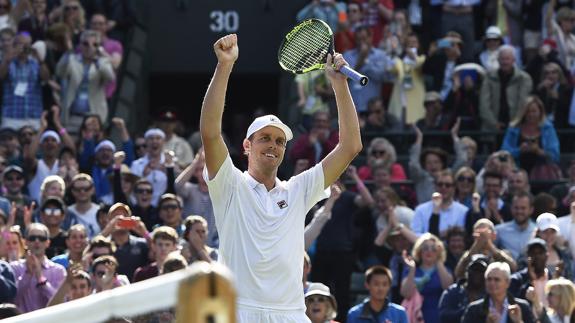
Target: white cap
[(493, 32), (50, 134), (154, 132), (105, 144), (269, 120), (547, 221)]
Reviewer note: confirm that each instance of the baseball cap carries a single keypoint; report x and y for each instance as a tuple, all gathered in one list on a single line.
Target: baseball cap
[(12, 168), (50, 134), (53, 200), (323, 290), (536, 242), (269, 120), (432, 97), (547, 221), (493, 32), (105, 144), (168, 115), (478, 260)]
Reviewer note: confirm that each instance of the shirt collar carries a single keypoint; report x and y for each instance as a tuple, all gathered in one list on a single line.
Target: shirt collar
[(254, 183)]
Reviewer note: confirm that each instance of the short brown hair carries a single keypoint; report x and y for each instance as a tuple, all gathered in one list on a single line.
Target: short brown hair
[(378, 270), (100, 241), (165, 233), (103, 260)]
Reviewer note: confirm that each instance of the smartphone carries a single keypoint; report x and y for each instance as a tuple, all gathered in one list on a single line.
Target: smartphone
[(127, 223)]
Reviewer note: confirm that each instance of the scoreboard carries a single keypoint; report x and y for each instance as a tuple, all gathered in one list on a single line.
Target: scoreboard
[(181, 33)]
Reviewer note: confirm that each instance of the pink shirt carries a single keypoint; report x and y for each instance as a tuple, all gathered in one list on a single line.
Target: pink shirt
[(30, 296)]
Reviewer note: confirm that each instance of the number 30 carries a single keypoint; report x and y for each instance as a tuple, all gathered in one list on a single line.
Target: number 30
[(227, 21)]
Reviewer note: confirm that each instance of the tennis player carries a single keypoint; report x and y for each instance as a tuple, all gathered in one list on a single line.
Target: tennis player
[(260, 219)]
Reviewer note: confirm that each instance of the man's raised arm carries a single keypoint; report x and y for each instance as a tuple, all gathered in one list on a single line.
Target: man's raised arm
[(349, 136), (226, 49)]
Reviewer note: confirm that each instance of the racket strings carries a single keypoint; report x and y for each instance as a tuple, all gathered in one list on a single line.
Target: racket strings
[(306, 48)]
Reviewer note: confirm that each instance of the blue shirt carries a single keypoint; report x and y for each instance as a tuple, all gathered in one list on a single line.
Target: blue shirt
[(453, 216), (61, 260), (363, 313), (374, 67), (22, 97), (512, 238)]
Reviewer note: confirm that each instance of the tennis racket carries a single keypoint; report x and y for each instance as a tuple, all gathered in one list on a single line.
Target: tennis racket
[(305, 49)]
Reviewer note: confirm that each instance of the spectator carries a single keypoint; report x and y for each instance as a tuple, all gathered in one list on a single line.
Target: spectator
[(535, 274), (7, 35), (143, 190), (543, 203), (381, 153), (7, 283), (434, 118), (456, 297), (91, 129), (500, 162), (174, 261), (441, 64), (76, 242), (518, 182), (409, 87), (73, 15), (78, 284), (321, 216), (566, 226), (455, 239), (86, 74), (442, 212), (314, 94), (458, 15), (473, 160), (559, 259), (52, 185), (22, 72), (37, 276), (555, 93), (326, 10), (83, 211), (376, 68), (195, 234), (112, 48), (12, 148), (561, 30), (105, 274), (196, 196), (377, 14), (36, 24), (379, 119), (123, 182), (464, 185), (484, 236), (491, 206), (168, 122), (97, 247), (52, 214), (320, 303), (390, 213), (499, 304), (377, 307), (316, 144), (67, 165), (170, 212), (492, 41), (561, 297), (531, 138), (344, 36), (132, 250), (400, 238), (426, 165), (164, 241), (514, 235), (14, 184), (426, 274), (153, 165), (14, 243), (561, 191), (462, 102), (503, 92)]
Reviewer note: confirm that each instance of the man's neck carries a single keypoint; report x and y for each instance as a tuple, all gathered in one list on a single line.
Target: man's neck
[(498, 301), (75, 256), (121, 237), (269, 180), (54, 231), (445, 204), (49, 161), (523, 225), (83, 207), (376, 305)]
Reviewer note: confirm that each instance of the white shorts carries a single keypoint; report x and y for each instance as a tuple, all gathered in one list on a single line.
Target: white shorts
[(270, 316)]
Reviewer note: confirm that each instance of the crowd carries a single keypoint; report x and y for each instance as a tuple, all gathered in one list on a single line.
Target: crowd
[(445, 228)]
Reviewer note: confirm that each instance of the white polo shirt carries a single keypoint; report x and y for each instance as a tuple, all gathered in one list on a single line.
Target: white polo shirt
[(261, 233)]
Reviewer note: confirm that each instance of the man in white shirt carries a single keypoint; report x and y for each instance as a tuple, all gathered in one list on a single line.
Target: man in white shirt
[(260, 219), (84, 211)]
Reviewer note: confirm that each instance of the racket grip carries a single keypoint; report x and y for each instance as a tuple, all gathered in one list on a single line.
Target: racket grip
[(354, 75)]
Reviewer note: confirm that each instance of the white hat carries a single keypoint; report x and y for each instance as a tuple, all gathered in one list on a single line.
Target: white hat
[(154, 132), (50, 134), (105, 144), (269, 120), (493, 32), (323, 290), (547, 221)]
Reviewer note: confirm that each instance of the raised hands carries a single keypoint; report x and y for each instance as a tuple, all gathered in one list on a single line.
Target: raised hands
[(226, 49), (332, 66)]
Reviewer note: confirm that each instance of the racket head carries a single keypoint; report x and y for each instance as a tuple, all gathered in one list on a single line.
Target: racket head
[(306, 46)]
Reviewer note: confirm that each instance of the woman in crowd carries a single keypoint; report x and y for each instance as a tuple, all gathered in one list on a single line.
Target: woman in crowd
[(464, 185), (382, 153), (427, 275), (531, 138), (558, 256), (555, 93), (320, 303), (561, 300), (14, 243), (195, 235), (500, 162)]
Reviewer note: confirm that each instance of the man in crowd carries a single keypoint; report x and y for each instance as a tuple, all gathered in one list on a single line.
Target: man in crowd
[(84, 210), (514, 235), (164, 241), (168, 122)]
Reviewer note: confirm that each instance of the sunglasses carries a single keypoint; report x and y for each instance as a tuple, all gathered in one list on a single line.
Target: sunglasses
[(314, 299), (428, 247), (143, 191), (52, 211), (141, 146), (88, 44), (37, 238), (468, 179), (71, 8), (170, 207), (100, 274), (378, 153), (82, 189), (13, 178), (444, 184)]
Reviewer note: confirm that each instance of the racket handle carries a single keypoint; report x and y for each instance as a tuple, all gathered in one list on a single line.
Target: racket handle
[(354, 75)]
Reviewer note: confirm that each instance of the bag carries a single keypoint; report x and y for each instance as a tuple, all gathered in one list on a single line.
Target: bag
[(548, 171), (413, 306)]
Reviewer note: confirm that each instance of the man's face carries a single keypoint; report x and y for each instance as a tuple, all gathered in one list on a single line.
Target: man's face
[(37, 242), (446, 186), (98, 23), (100, 251), (100, 272), (506, 61), (492, 187), (476, 277), (79, 288), (266, 149), (14, 182), (432, 107), (496, 283), (154, 144), (363, 37), (538, 256), (201, 230), (52, 215), (50, 146), (22, 45), (381, 178), (456, 245), (162, 248), (144, 194), (105, 157), (89, 47), (518, 182), (378, 287), (76, 241), (521, 209), (432, 163), (82, 190), (170, 212)]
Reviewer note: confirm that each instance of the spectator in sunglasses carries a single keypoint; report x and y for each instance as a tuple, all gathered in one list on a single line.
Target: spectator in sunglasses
[(72, 14), (76, 241), (14, 183), (382, 153), (83, 211), (52, 213), (37, 276), (87, 74), (143, 191), (464, 185), (170, 212), (104, 274)]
